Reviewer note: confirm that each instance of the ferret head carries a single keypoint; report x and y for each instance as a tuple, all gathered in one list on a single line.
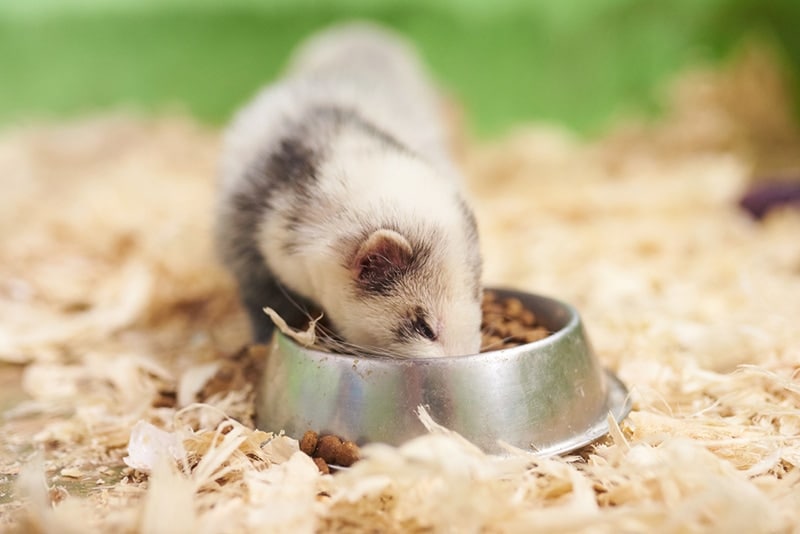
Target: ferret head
[(413, 295)]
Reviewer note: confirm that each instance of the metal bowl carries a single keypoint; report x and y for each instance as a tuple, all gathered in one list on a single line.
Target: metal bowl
[(550, 396)]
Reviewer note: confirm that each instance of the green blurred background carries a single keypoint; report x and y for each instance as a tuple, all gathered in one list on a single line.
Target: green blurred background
[(580, 63)]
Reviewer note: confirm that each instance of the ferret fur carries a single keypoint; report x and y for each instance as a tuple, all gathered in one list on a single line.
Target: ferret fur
[(337, 191)]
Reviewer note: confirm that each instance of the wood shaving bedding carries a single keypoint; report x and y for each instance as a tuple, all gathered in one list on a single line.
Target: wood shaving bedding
[(130, 334)]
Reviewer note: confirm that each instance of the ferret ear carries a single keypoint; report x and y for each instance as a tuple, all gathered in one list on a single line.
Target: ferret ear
[(381, 256)]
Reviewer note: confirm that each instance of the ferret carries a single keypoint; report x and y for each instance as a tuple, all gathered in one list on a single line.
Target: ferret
[(337, 192)]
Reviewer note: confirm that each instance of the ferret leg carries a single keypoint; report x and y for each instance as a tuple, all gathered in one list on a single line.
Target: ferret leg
[(259, 292)]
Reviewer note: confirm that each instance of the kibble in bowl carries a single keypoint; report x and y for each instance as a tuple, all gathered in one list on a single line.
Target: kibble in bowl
[(537, 385), (508, 323)]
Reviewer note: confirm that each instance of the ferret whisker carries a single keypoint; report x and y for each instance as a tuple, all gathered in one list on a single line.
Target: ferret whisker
[(329, 337), (331, 341), (498, 344), (353, 348), (302, 309)]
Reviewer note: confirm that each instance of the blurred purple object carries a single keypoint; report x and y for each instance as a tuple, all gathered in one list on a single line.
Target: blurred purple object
[(763, 197)]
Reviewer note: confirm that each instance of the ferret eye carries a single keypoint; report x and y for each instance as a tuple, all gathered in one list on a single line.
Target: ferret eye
[(422, 328)]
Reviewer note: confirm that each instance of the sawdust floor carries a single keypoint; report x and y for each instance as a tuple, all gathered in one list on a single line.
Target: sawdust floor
[(115, 320)]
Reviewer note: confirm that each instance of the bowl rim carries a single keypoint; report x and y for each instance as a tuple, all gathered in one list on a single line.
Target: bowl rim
[(573, 321)]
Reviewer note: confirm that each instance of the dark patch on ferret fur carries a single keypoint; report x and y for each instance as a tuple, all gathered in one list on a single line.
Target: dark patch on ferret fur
[(328, 122), (406, 329), (340, 116), (292, 164), (388, 285)]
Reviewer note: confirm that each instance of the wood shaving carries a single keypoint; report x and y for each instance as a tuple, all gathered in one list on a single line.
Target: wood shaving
[(306, 337), (112, 300)]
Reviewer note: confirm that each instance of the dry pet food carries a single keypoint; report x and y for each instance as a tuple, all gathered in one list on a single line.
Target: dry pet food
[(507, 323), (329, 449)]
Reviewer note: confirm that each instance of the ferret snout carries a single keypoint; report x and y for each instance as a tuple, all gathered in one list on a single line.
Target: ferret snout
[(460, 335), (462, 342), (470, 343)]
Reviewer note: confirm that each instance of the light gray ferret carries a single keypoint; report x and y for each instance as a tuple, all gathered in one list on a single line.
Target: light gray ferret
[(337, 192)]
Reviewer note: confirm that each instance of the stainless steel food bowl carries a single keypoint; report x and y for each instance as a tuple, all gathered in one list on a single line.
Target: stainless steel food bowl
[(550, 396)]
